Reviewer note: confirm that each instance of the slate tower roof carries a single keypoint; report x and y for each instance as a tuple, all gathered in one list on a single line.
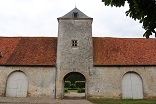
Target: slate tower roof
[(75, 13)]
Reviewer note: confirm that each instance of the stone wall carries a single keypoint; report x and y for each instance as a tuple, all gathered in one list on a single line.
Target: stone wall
[(101, 82), (41, 80), (106, 82), (69, 57), (73, 59)]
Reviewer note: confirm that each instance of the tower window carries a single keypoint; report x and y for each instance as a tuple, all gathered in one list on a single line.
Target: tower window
[(74, 43), (75, 14)]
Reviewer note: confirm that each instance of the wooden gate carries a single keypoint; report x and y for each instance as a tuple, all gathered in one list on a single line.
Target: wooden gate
[(132, 86), (17, 85)]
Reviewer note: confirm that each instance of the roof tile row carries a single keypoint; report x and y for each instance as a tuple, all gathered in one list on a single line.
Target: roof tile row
[(28, 51), (124, 51), (107, 51)]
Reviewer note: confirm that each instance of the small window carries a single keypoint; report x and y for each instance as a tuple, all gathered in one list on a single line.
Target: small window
[(74, 43), (75, 14)]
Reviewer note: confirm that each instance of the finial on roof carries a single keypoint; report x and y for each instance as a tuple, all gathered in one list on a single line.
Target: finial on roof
[(75, 4)]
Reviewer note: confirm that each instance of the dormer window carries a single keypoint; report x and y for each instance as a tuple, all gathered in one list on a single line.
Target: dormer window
[(74, 43), (75, 14)]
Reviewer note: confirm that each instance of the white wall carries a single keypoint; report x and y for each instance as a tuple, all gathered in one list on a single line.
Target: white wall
[(41, 80), (106, 82)]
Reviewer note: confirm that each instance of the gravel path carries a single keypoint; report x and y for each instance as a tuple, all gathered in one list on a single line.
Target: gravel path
[(6, 100), (74, 95)]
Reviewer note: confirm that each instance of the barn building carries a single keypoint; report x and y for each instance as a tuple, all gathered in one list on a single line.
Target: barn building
[(118, 68)]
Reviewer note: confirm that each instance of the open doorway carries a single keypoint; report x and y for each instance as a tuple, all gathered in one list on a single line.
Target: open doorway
[(74, 84)]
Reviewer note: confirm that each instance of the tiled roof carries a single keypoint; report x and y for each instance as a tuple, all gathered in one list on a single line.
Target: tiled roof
[(124, 51), (28, 51), (107, 51)]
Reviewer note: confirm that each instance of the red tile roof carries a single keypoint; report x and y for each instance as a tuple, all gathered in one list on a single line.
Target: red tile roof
[(122, 51), (107, 51), (28, 51)]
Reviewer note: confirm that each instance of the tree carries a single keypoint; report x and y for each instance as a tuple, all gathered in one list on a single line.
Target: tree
[(142, 10)]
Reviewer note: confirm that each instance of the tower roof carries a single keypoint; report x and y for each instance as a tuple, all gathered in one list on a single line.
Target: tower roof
[(75, 13)]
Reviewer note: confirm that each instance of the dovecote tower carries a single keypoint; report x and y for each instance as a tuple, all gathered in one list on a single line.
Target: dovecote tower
[(74, 47)]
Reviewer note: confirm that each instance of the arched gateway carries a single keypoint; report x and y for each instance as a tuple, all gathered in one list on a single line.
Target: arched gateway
[(74, 91)]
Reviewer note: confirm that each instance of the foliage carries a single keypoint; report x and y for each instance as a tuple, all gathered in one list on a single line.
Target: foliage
[(74, 77), (81, 90), (72, 86), (80, 84), (119, 101), (67, 84), (142, 10), (65, 90)]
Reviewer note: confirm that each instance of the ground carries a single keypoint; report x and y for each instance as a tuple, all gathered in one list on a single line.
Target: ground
[(72, 98), (74, 95), (41, 101)]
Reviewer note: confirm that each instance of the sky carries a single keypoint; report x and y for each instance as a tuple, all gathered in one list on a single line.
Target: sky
[(38, 18)]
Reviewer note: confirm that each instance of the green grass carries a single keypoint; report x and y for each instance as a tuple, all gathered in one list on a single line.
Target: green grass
[(72, 90), (126, 101), (66, 90)]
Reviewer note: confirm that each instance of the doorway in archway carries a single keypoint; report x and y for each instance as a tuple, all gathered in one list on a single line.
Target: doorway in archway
[(132, 86), (17, 85), (74, 85)]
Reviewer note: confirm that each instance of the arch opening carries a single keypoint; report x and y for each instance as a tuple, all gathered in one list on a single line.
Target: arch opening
[(74, 86), (17, 85), (132, 86)]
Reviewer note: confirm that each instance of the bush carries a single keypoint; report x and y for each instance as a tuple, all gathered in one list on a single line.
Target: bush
[(67, 84), (65, 90), (81, 90), (72, 86), (80, 84)]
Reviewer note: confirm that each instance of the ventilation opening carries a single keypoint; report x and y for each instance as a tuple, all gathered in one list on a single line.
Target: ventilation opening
[(75, 14), (74, 43)]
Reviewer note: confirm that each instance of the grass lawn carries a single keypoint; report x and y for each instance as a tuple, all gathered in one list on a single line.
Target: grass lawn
[(126, 101), (72, 90)]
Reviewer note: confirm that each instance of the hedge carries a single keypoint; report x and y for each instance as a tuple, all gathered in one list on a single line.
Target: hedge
[(80, 84), (72, 86), (65, 90), (81, 90), (67, 84)]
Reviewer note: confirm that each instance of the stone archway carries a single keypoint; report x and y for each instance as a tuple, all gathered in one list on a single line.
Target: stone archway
[(132, 86), (71, 92), (17, 85)]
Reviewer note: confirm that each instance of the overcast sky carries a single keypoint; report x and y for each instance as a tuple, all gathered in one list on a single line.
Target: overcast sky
[(39, 18)]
